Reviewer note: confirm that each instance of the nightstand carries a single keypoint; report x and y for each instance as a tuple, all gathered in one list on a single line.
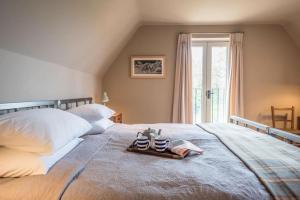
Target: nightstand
[(117, 118)]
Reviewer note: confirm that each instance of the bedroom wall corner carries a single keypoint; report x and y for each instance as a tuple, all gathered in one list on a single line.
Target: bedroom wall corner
[(272, 67)]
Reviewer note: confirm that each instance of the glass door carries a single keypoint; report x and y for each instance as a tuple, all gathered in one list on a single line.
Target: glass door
[(210, 81), (198, 81)]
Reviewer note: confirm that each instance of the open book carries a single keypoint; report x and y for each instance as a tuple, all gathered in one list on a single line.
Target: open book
[(183, 147)]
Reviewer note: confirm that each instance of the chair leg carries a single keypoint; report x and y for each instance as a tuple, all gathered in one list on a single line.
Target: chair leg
[(285, 121), (273, 117), (293, 117)]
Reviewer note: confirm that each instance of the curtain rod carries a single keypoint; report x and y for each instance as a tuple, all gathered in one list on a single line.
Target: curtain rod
[(216, 33), (211, 33)]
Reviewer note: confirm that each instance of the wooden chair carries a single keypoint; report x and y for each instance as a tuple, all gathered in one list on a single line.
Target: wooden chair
[(283, 117)]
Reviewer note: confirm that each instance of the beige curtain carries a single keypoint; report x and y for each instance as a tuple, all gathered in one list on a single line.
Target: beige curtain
[(235, 97), (182, 103)]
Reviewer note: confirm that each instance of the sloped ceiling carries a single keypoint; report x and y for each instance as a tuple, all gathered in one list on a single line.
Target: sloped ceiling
[(293, 28), (88, 34), (81, 34)]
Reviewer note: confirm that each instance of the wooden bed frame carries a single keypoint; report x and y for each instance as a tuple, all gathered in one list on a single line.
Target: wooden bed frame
[(66, 104)]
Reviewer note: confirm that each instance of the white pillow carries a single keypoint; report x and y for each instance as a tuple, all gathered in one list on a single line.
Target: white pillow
[(100, 126), (40, 131), (92, 112), (16, 163)]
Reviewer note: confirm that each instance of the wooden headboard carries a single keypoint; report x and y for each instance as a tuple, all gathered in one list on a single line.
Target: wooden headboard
[(63, 104)]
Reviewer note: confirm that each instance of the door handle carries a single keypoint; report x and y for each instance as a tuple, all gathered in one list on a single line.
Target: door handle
[(209, 93)]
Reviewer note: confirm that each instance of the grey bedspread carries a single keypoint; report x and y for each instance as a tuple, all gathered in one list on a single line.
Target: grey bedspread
[(101, 168)]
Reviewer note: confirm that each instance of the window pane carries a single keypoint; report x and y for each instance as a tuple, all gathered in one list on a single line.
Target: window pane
[(197, 82), (219, 83)]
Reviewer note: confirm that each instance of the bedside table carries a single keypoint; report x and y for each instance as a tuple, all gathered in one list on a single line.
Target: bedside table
[(117, 118)]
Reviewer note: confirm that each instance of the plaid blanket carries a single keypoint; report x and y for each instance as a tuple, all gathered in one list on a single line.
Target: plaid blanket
[(275, 163)]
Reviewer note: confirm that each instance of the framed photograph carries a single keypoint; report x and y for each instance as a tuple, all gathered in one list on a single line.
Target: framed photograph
[(148, 67)]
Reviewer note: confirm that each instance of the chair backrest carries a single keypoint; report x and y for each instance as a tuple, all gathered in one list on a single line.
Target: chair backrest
[(283, 117)]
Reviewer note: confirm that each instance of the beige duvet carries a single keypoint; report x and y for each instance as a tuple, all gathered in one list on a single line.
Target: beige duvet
[(101, 168)]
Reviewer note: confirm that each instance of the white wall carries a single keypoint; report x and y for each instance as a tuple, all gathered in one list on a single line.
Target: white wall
[(23, 78)]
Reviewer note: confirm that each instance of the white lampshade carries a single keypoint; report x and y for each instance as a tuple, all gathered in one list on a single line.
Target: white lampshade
[(105, 98)]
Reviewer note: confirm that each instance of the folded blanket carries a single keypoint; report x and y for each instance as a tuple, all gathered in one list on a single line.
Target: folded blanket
[(276, 163)]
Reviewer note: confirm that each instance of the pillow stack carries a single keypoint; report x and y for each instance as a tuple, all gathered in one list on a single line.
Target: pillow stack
[(96, 114), (32, 141)]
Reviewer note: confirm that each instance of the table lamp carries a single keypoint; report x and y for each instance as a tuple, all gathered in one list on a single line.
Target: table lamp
[(105, 98)]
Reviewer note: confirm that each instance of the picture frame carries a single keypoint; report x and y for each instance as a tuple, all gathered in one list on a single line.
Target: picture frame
[(148, 67)]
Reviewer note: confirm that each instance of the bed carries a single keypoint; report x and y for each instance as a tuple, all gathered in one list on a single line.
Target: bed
[(101, 168)]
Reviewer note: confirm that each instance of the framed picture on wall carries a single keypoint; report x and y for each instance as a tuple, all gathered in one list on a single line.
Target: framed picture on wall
[(148, 67)]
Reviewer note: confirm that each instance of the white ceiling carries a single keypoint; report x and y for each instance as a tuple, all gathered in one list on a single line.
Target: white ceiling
[(88, 34), (218, 11)]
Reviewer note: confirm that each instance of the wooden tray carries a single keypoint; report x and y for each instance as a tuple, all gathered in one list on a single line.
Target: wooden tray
[(166, 153)]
